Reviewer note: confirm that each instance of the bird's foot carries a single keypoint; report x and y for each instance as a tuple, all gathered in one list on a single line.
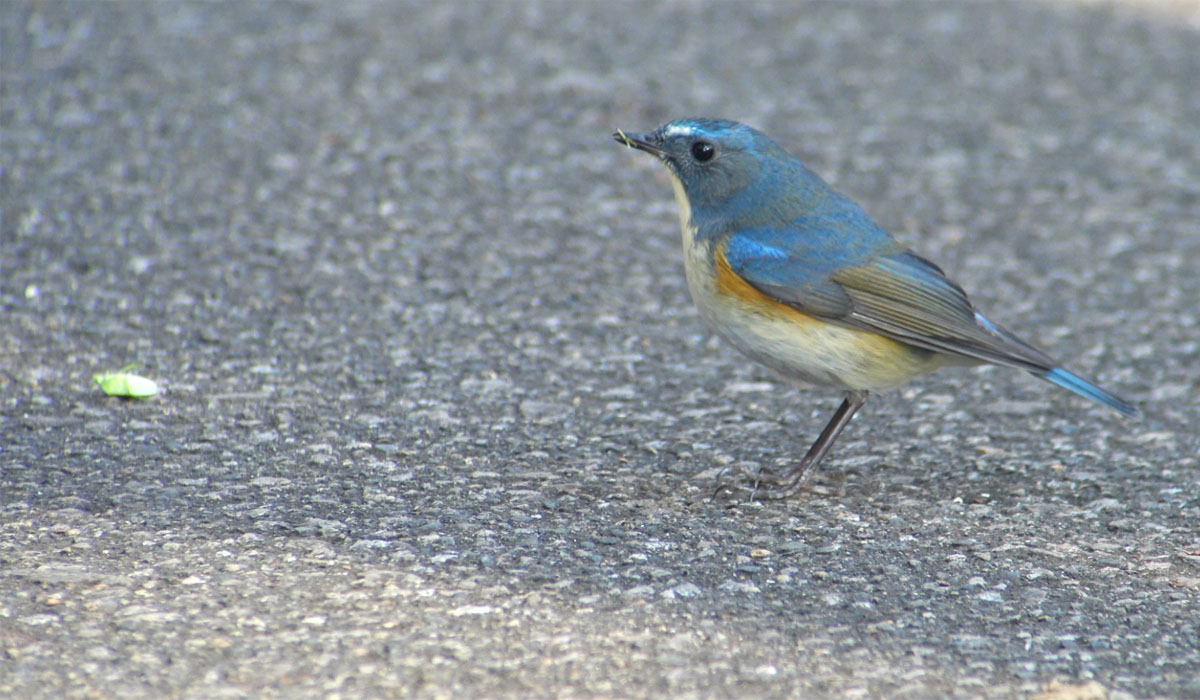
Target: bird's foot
[(764, 485)]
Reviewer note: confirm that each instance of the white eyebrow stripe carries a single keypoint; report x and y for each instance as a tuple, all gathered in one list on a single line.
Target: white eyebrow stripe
[(678, 130)]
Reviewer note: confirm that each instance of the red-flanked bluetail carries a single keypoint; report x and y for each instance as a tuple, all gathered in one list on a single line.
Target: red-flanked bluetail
[(797, 277)]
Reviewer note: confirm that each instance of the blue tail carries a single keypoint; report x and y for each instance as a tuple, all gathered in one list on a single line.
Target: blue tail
[(1086, 389)]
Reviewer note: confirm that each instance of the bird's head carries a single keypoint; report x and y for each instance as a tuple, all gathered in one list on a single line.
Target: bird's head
[(718, 164)]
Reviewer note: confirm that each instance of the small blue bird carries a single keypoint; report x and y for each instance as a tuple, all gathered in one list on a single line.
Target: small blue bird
[(797, 277)]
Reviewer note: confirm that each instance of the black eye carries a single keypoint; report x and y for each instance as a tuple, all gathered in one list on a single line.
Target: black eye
[(703, 151)]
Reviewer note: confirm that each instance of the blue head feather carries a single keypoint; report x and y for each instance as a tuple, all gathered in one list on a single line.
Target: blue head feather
[(733, 173)]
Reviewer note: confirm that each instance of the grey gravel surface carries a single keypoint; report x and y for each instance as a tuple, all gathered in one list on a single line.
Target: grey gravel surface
[(438, 419)]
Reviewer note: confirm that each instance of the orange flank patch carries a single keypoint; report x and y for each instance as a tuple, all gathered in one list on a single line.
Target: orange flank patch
[(731, 284)]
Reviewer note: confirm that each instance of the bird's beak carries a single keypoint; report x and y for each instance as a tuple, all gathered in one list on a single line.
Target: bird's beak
[(641, 142)]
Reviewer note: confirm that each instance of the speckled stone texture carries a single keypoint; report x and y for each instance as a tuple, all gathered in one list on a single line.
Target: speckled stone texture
[(438, 419)]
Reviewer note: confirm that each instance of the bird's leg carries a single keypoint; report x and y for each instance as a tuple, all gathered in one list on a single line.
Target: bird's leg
[(792, 481)]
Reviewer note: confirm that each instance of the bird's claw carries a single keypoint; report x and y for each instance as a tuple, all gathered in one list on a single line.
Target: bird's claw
[(764, 485)]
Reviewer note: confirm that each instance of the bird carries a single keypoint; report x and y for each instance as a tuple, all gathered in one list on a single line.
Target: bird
[(797, 277)]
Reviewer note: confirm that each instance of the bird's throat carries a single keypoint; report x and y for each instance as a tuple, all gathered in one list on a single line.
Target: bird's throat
[(685, 213)]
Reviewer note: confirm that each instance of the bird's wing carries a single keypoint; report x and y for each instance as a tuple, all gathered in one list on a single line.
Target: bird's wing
[(909, 298), (795, 263), (874, 284)]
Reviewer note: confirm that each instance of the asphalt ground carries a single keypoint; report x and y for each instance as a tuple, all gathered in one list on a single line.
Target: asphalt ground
[(437, 418)]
